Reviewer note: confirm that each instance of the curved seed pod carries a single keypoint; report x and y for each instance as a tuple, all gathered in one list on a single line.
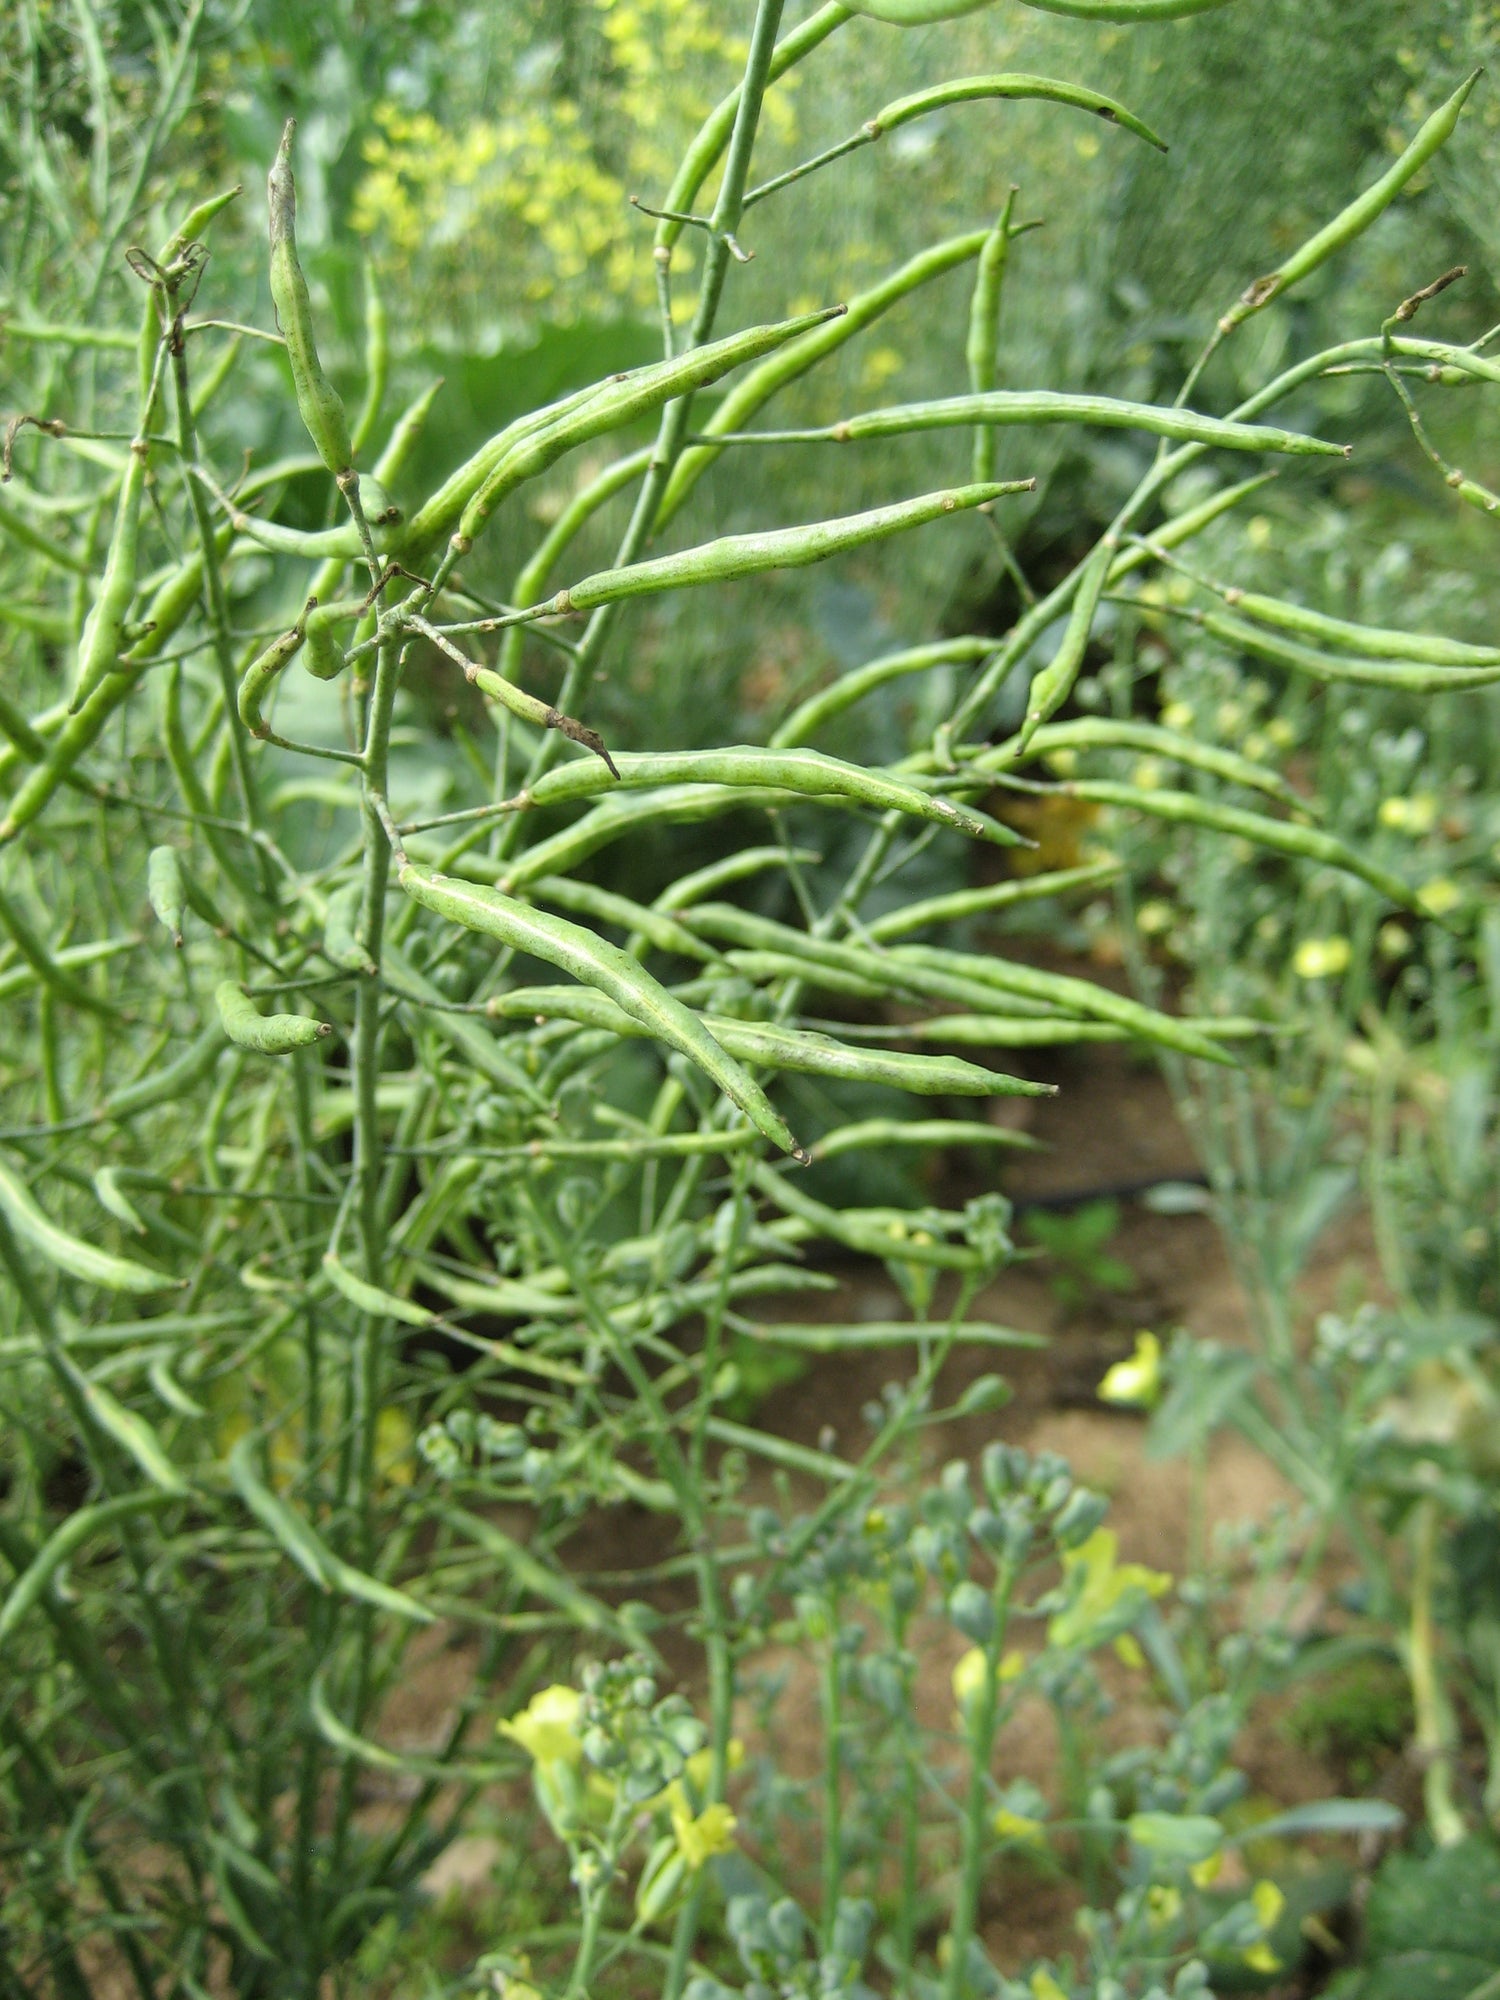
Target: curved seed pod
[(1127, 11), (1100, 733), (915, 13), (1051, 406), (701, 882), (798, 356), (102, 643), (318, 402), (113, 1197), (131, 1433), (164, 888), (325, 659), (263, 670), (1428, 649), (296, 1538), (405, 432), (1357, 217), (780, 548), (974, 89), (370, 1299), (984, 330), (1052, 686), (169, 1085), (341, 943), (850, 688), (69, 1253), (615, 404), (777, 1048), (268, 1034), (1407, 675), (1079, 996), (611, 971), (60, 1544), (963, 903), (1305, 843)]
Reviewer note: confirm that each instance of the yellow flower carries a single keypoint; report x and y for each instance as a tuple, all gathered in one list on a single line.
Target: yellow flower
[(710, 1833), (1163, 1905), (1045, 1987), (1018, 1827), (1439, 896), (547, 1728), (1268, 1903), (1177, 715), (393, 1447), (1105, 1596), (1414, 815), (1281, 732), (1155, 917), (1258, 532), (968, 1675), (1205, 1873), (1135, 1384), (1321, 958)]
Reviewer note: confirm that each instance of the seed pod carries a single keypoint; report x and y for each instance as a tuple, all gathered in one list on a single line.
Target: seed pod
[(170, 1085), (70, 1253), (1052, 406), (794, 360), (984, 330), (268, 1034), (782, 548), (341, 943), (377, 361), (1052, 686), (974, 89), (164, 887), (611, 971), (325, 659), (1360, 213), (404, 435), (103, 638), (318, 401), (263, 670), (1379, 642), (1407, 675), (610, 406), (60, 1544)]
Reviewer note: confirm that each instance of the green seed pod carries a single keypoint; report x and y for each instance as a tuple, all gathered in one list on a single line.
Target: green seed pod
[(268, 1034), (341, 944), (610, 971), (1052, 686), (325, 659), (782, 548), (70, 1253), (914, 13), (317, 400), (164, 887), (263, 670), (103, 638)]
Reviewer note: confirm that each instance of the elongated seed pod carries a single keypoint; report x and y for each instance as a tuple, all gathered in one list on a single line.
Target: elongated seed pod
[(780, 548), (615, 404), (69, 1253), (296, 1538), (113, 1197), (960, 904), (102, 642), (1409, 674), (1050, 406), (341, 943), (1052, 686), (984, 330), (371, 1300), (263, 670), (1379, 642), (1306, 843), (170, 1085), (1360, 213), (974, 89), (318, 402), (1129, 12), (1092, 732), (164, 889), (405, 433), (611, 971), (915, 13), (267, 1034), (792, 1049), (30, 1585), (377, 361), (794, 360), (812, 714)]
